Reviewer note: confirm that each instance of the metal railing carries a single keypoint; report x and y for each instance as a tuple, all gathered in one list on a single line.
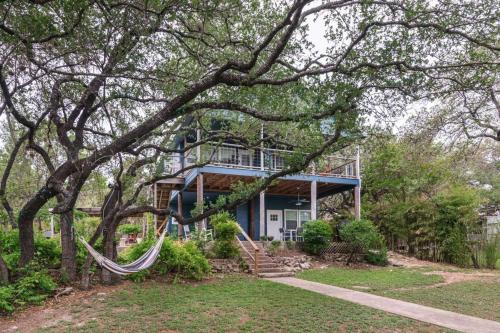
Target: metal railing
[(265, 159)]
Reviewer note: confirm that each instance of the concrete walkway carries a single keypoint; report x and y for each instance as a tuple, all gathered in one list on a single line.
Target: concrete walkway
[(426, 314)]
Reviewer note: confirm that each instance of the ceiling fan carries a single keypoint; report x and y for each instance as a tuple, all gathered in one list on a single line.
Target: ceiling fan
[(299, 202)]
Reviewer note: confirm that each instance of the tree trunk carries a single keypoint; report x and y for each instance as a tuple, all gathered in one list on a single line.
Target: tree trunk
[(26, 217), (85, 281), (26, 239), (109, 251), (68, 245), (4, 271)]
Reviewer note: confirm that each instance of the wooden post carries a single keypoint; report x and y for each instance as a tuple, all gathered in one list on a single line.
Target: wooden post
[(179, 210), (357, 202), (155, 205), (256, 261), (251, 218), (314, 209), (262, 214), (199, 197), (357, 189)]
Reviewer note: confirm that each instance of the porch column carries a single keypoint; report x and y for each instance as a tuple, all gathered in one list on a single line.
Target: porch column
[(262, 214), (357, 189), (357, 202), (314, 209), (155, 220), (199, 198), (179, 210)]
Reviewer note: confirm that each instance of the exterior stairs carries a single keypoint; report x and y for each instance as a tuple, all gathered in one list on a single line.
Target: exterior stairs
[(266, 267)]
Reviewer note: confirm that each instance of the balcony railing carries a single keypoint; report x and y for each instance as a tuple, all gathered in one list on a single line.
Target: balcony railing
[(265, 159)]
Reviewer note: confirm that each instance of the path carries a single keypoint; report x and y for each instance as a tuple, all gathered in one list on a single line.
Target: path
[(426, 314)]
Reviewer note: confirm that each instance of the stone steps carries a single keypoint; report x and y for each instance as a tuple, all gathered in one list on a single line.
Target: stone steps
[(267, 268)]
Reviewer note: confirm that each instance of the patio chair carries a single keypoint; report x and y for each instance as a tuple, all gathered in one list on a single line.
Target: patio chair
[(300, 237), (282, 233)]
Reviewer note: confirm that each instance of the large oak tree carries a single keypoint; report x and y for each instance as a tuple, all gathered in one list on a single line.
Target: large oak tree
[(112, 78)]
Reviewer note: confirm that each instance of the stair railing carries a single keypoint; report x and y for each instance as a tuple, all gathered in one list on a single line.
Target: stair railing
[(255, 257)]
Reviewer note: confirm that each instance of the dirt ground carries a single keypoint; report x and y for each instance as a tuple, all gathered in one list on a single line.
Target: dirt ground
[(54, 311)]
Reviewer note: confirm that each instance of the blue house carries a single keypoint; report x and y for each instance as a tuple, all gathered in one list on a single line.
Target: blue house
[(277, 212)]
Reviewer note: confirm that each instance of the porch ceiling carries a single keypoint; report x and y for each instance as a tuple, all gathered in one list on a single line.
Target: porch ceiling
[(222, 183)]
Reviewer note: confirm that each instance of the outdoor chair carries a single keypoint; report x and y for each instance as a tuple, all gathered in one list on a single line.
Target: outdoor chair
[(299, 236)]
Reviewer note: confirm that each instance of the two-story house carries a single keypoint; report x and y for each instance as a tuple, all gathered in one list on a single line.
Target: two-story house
[(280, 210)]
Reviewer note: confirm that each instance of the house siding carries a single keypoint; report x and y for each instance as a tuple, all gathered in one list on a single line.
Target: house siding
[(242, 212)]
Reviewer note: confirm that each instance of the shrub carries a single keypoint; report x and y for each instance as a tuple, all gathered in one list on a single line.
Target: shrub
[(491, 254), (47, 251), (184, 259), (290, 245), (33, 288), (226, 230), (377, 257), (130, 229), (274, 247), (317, 235), (455, 248), (362, 234)]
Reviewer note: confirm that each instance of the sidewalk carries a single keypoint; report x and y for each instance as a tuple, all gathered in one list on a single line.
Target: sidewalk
[(423, 313)]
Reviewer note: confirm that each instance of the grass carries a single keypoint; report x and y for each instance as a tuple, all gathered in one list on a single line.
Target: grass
[(479, 298), (235, 304), (475, 298), (377, 279)]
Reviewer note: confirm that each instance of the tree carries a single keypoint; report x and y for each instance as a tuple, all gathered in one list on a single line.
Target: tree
[(113, 77), (415, 192)]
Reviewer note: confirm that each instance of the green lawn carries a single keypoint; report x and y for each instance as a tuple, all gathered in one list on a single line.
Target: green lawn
[(233, 304), (377, 279), (476, 298)]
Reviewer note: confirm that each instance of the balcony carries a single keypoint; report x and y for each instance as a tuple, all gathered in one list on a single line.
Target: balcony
[(265, 159)]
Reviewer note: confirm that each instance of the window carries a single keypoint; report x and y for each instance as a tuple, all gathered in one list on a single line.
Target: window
[(273, 217), (290, 219), (295, 219), (305, 215)]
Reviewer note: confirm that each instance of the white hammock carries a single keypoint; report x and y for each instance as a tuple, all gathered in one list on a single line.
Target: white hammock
[(144, 262)]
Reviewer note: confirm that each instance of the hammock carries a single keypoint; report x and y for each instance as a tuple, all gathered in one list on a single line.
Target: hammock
[(144, 262)]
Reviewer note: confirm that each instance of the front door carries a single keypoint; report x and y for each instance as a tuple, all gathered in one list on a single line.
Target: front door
[(274, 223)]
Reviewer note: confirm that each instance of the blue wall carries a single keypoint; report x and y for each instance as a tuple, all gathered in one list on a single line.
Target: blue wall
[(242, 213)]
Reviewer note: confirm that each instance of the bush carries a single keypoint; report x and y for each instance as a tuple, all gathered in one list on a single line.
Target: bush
[(455, 248), (33, 288), (47, 251), (130, 229), (226, 230), (364, 235), (184, 259), (491, 254), (274, 247), (377, 257), (317, 235)]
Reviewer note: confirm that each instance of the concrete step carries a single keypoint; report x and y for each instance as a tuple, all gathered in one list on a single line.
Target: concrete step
[(275, 275)]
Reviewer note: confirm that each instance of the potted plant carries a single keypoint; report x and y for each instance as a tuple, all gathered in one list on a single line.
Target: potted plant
[(131, 230)]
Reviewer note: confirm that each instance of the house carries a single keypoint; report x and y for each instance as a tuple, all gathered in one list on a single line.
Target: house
[(277, 212)]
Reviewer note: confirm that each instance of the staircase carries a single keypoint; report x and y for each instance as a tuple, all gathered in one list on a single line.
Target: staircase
[(266, 268)]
